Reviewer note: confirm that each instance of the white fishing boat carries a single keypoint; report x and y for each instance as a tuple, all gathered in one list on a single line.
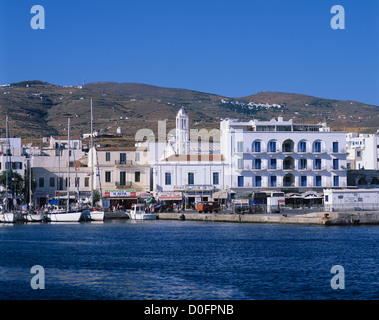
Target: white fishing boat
[(138, 212), (96, 214)]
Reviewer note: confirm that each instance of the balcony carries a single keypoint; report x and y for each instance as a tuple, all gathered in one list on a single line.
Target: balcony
[(124, 163), (339, 151), (120, 184)]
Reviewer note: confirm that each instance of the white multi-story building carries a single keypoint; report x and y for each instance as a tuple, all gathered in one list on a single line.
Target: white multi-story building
[(282, 154), (362, 151)]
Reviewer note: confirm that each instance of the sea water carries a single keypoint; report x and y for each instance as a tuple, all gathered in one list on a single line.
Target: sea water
[(124, 259)]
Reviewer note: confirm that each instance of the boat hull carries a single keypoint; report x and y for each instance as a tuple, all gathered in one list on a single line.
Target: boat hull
[(34, 217), (97, 215), (71, 216), (8, 217), (142, 216)]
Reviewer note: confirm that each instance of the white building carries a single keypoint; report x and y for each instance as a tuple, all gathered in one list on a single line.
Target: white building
[(351, 200), (190, 167), (50, 169), (362, 151), (283, 155)]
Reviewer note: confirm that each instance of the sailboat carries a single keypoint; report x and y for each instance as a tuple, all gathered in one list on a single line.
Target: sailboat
[(32, 216), (95, 214), (59, 214), (6, 215)]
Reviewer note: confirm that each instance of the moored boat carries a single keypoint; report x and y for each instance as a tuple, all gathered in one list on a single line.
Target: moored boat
[(9, 217), (138, 212)]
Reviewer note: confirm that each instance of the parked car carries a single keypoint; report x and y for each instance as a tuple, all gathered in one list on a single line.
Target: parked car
[(207, 206)]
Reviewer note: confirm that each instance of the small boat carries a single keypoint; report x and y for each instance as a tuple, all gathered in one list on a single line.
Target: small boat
[(33, 217), (9, 217), (138, 213), (96, 214)]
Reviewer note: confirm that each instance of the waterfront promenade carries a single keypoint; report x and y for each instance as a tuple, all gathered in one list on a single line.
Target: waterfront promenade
[(315, 218)]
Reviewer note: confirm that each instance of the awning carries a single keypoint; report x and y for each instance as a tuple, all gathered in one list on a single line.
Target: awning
[(143, 194), (124, 198), (170, 198), (223, 194)]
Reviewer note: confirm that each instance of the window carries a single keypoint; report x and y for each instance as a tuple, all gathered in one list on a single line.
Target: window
[(273, 181), (86, 181), (257, 146), (122, 178), (240, 146), (258, 164), (17, 165), (317, 146), (302, 146), (52, 182), (191, 178), (107, 156), (240, 181), (108, 176), (167, 178), (60, 183), (326, 198), (240, 163), (77, 182), (336, 181), (302, 164), (358, 153), (303, 181), (258, 181), (272, 146), (335, 146), (122, 158), (335, 164), (137, 176), (41, 182), (137, 157), (318, 181), (273, 164), (317, 164), (215, 178)]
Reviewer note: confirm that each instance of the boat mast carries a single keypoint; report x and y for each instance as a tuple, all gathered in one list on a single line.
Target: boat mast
[(6, 167), (68, 167), (9, 160), (91, 148)]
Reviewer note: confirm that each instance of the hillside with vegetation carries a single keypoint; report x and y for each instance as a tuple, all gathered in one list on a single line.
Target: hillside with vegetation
[(37, 109)]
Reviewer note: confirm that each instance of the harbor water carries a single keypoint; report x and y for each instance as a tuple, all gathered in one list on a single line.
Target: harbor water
[(124, 259)]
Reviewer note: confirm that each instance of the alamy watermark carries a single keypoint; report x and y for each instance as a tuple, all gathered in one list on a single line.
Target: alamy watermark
[(337, 281), (38, 20), (37, 281)]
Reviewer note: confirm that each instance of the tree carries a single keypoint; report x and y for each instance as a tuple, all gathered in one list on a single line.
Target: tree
[(96, 196), (16, 184)]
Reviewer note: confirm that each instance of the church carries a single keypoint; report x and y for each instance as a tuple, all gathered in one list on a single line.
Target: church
[(191, 168)]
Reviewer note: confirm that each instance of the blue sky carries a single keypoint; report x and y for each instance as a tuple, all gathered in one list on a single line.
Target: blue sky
[(234, 48)]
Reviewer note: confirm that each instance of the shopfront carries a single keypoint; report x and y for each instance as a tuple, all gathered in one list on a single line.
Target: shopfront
[(120, 199)]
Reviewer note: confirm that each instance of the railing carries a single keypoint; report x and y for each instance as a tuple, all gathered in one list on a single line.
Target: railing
[(123, 162), (123, 183)]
